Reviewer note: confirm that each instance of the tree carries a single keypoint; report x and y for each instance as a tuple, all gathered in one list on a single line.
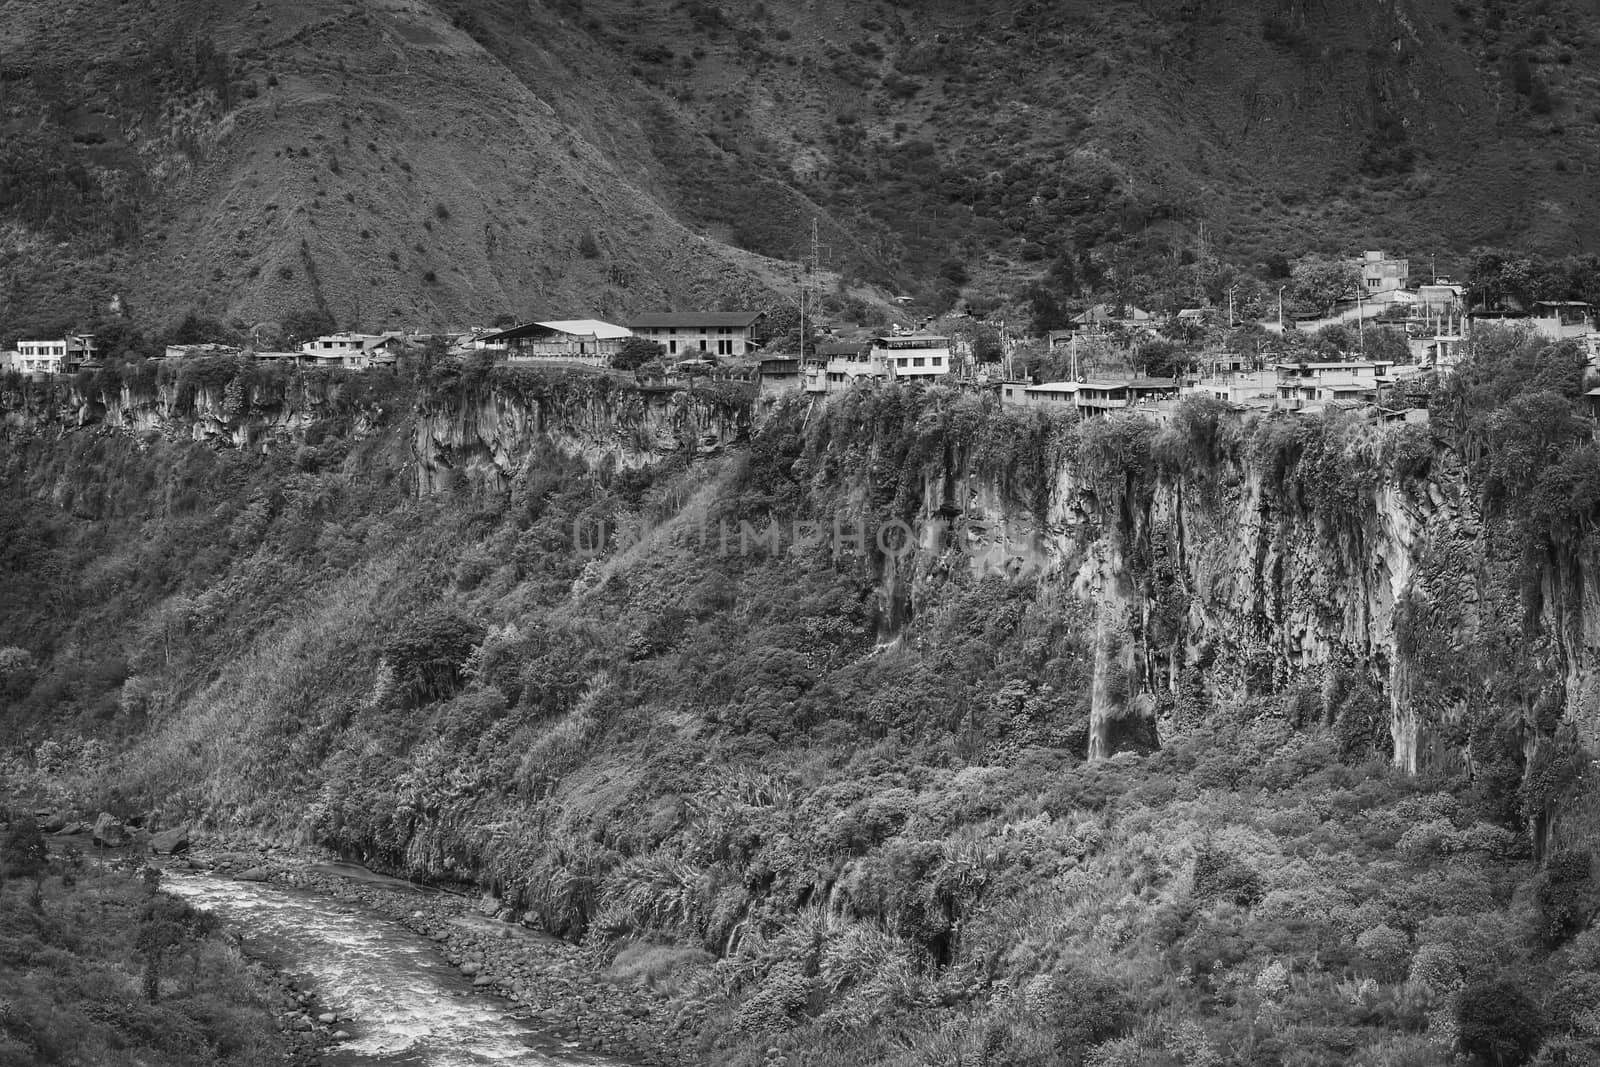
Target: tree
[(24, 854), (166, 925), (1323, 282), (18, 669), (1563, 892), (1499, 1023), (1045, 310), (1160, 359), (430, 652), (300, 326), (198, 330), (635, 352), (1385, 343)]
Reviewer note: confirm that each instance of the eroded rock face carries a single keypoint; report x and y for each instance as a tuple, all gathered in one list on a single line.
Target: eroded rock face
[(1254, 586), (494, 436)]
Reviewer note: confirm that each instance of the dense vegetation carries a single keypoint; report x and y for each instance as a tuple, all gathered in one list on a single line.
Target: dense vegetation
[(97, 967), (838, 790)]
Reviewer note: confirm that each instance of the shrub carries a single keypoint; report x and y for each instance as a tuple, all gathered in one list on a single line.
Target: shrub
[(429, 654), (1385, 951), (1498, 1022), (1563, 893), (1218, 876)]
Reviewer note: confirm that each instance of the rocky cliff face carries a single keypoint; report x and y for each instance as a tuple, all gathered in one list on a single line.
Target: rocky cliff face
[(492, 436), (231, 411), (1381, 600), (489, 433)]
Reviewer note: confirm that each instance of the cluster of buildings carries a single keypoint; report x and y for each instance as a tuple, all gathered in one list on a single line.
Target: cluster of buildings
[(838, 364), (684, 337)]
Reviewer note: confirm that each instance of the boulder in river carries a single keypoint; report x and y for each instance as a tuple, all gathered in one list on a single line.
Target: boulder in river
[(53, 823), (170, 842), (73, 828), (254, 874), (109, 831)]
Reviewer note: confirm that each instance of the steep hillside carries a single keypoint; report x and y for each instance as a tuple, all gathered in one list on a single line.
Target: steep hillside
[(369, 160), (430, 163), (905, 729)]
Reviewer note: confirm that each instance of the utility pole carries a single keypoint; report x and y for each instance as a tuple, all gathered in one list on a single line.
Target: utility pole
[(1281, 288), (1361, 322), (808, 265)]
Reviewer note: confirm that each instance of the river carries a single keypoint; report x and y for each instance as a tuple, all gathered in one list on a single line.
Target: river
[(407, 1007)]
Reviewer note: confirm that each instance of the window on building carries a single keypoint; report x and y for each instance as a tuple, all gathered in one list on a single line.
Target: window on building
[(938, 361), (724, 348), (672, 348), (901, 360), (702, 344), (919, 362)]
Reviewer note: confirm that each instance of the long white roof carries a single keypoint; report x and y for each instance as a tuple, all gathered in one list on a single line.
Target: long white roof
[(604, 331)]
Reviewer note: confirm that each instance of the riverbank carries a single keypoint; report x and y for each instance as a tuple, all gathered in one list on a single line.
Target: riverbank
[(570, 992), (97, 968)]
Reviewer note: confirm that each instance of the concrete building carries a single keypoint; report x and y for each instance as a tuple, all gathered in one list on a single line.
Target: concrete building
[(779, 375), (708, 333), (55, 356), (1305, 383), (1247, 388), (348, 351), (1380, 274), (1563, 320), (912, 355)]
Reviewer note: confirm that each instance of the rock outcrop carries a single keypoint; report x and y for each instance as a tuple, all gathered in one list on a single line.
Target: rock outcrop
[(109, 831), (491, 435)]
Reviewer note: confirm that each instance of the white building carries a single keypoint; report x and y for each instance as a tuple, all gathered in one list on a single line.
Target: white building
[(913, 355), (55, 356), (353, 351)]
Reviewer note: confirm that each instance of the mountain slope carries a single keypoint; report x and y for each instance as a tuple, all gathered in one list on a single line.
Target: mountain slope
[(413, 163)]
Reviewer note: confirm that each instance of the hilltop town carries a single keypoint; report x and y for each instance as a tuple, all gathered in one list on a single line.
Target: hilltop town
[(1359, 334)]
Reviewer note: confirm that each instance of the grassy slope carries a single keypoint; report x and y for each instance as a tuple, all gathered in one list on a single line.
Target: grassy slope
[(895, 856)]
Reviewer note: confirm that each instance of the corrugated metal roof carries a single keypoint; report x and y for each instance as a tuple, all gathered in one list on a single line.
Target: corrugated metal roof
[(605, 331), (691, 319)]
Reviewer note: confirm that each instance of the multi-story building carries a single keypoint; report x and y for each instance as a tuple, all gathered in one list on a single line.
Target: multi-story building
[(353, 351), (700, 333), (1303, 383), (1380, 274), (912, 355), (55, 356)]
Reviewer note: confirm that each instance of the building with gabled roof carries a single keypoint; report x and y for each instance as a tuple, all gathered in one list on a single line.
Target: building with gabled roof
[(588, 341)]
